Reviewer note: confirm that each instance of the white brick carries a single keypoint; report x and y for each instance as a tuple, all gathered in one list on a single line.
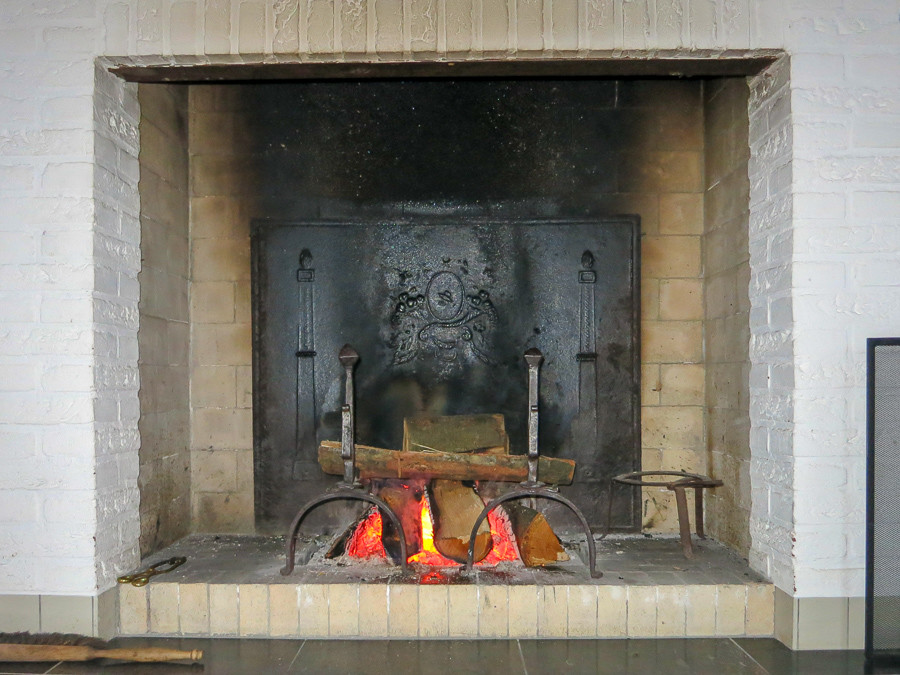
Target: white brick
[(18, 506), (874, 70), (819, 205), (71, 40), (811, 69), (18, 377), (71, 178), (67, 112), (876, 132), (17, 247), (16, 177), (117, 25), (882, 205), (17, 443)]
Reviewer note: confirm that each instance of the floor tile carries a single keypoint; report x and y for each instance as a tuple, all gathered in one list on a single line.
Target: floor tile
[(776, 658), (698, 656)]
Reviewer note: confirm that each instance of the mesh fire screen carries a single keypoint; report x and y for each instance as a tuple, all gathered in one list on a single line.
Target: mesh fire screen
[(883, 501)]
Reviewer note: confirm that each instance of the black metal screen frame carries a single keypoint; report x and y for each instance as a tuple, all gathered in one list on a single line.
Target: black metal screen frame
[(875, 658)]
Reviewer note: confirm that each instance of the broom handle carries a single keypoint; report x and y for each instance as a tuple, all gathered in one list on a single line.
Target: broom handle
[(17, 652)]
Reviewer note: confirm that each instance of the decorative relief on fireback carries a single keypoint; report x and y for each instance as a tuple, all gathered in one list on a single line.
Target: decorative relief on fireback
[(439, 314)]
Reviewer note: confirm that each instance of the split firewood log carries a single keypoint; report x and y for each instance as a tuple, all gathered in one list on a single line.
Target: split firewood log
[(405, 499), (456, 433), (537, 543), (455, 507), (381, 463)]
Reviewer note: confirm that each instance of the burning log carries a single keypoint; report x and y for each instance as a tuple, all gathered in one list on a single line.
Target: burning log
[(456, 433), (405, 499), (382, 463), (537, 543), (455, 507)]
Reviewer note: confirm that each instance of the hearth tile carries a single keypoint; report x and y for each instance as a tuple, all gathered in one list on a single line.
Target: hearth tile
[(731, 604), (403, 610), (133, 610), (559, 576), (373, 610), (641, 611), (283, 615), (760, 610), (694, 578), (434, 611), (634, 578), (582, 610), (612, 611), (700, 614), (343, 610), (665, 578), (463, 611), (163, 608), (314, 610), (670, 611), (253, 609), (553, 614), (493, 611), (223, 609), (193, 606), (522, 611)]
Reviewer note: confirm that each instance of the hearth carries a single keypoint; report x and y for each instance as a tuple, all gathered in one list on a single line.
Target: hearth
[(285, 152)]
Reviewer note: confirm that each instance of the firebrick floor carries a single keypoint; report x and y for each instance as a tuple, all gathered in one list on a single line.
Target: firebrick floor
[(640, 559), (500, 657)]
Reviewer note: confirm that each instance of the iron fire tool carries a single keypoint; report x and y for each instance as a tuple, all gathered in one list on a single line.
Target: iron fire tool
[(350, 487), (532, 487), (682, 480)]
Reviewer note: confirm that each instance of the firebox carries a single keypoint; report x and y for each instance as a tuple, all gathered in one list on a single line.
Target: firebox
[(440, 310)]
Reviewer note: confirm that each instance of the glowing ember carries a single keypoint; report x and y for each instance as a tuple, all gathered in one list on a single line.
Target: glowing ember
[(366, 540)]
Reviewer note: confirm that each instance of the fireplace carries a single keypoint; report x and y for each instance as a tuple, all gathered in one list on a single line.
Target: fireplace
[(313, 174)]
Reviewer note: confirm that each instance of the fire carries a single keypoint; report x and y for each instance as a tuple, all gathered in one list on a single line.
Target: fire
[(366, 540)]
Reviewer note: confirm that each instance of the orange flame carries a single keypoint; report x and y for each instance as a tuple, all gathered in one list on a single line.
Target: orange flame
[(366, 540)]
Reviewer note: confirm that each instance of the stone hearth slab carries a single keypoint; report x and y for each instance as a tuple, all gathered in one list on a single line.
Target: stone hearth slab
[(231, 586)]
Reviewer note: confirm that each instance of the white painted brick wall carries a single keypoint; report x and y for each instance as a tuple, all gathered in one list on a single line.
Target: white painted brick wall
[(824, 195), (845, 84)]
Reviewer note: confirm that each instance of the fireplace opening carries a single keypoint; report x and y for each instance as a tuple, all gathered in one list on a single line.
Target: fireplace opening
[(579, 150)]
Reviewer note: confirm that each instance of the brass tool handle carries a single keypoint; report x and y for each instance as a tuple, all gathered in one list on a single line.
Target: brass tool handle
[(143, 578), (31, 653), (151, 654)]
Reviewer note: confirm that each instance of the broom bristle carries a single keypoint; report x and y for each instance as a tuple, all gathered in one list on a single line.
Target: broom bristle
[(67, 639)]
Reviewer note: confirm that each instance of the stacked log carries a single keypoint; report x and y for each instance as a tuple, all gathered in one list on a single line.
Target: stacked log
[(446, 454)]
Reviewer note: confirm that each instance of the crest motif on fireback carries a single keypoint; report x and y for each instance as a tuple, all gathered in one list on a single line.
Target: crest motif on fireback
[(446, 321)]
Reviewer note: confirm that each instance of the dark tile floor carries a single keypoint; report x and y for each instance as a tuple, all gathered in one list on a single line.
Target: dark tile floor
[(496, 657)]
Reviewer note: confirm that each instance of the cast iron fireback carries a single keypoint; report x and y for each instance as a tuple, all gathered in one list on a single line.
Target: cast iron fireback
[(440, 311)]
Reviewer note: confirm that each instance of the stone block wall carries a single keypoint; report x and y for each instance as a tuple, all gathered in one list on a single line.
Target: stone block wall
[(221, 378), (726, 274), (163, 338)]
